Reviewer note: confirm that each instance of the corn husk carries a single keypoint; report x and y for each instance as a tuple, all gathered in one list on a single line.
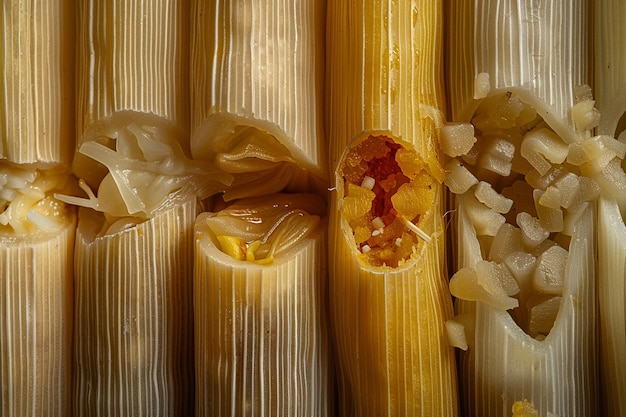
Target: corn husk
[(261, 331), (384, 78), (133, 316), (610, 87), (36, 314), (37, 76), (257, 73), (132, 68), (537, 50), (537, 54), (505, 364)]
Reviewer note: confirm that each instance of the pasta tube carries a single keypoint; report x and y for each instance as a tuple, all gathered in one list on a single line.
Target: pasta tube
[(610, 83), (525, 210), (37, 73), (388, 289), (133, 314), (260, 308), (36, 230), (36, 242), (257, 71)]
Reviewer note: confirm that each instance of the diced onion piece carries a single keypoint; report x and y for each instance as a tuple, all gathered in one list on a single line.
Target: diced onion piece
[(550, 271), (496, 278), (378, 223), (485, 220), (506, 241), (569, 186), (542, 148), (543, 181), (583, 92), (368, 182), (489, 197), (497, 156), (550, 218), (551, 198), (585, 116), (456, 334), (521, 265), (532, 231), (458, 178), (576, 155), (457, 138), (464, 285)]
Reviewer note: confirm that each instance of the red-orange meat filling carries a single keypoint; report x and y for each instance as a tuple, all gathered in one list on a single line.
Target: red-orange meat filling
[(380, 231)]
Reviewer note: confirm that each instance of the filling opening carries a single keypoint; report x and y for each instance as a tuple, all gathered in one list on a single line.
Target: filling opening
[(388, 194), (27, 203), (262, 229), (148, 173), (523, 190)]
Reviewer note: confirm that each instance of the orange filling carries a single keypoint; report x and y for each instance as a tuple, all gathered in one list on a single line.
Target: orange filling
[(383, 193)]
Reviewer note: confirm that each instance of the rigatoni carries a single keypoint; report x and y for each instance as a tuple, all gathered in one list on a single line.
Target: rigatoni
[(37, 73), (525, 212), (132, 67), (261, 332), (610, 87), (36, 230), (388, 291), (36, 271), (257, 71), (257, 96), (133, 315)]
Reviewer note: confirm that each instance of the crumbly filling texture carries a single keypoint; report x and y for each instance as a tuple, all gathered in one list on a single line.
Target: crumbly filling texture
[(387, 193)]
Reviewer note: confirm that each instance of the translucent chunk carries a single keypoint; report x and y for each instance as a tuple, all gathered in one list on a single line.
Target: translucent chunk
[(585, 116), (464, 285), (458, 179), (490, 197), (457, 139), (521, 265), (551, 198), (456, 334), (496, 279), (532, 231), (542, 148), (550, 218), (550, 271), (506, 241), (542, 182), (485, 220), (497, 156)]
